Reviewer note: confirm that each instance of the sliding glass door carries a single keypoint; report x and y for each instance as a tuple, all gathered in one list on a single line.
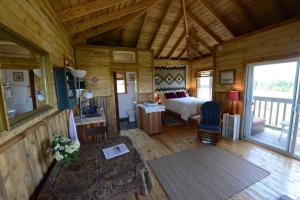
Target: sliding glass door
[(271, 99)]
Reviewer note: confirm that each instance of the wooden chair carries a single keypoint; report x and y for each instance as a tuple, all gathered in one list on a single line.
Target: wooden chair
[(95, 134), (209, 128)]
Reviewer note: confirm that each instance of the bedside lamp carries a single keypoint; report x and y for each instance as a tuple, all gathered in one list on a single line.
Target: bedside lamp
[(233, 96)]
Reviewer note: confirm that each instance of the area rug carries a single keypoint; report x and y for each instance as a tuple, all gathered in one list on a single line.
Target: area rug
[(205, 173)]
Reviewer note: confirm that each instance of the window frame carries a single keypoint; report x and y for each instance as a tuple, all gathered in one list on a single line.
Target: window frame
[(210, 86), (7, 124), (125, 82)]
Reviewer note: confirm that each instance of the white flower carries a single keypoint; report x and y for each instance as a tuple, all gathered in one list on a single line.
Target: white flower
[(61, 148), (75, 145), (56, 147), (58, 156), (68, 149)]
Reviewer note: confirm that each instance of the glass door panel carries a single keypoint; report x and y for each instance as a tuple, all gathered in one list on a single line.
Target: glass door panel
[(272, 101)]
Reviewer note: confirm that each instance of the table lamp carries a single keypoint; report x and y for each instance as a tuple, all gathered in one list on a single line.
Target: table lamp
[(233, 96)]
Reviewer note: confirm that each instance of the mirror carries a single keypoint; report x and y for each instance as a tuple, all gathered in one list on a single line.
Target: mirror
[(22, 78)]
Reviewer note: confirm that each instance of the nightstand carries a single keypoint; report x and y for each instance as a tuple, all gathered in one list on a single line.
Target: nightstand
[(231, 126)]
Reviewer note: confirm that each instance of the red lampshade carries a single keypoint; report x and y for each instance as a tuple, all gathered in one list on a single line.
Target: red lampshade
[(233, 96)]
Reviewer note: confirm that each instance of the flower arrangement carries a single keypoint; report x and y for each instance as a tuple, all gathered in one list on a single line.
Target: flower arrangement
[(64, 149)]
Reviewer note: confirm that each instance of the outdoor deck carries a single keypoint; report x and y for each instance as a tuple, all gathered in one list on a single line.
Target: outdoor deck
[(271, 137), (276, 113)]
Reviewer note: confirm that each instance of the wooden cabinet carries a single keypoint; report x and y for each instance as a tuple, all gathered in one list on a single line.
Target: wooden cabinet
[(150, 122), (65, 88)]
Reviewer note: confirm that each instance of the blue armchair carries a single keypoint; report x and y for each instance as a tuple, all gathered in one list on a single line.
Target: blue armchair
[(209, 128)]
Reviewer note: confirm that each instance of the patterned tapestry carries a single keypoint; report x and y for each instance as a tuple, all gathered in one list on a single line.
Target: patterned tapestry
[(170, 78)]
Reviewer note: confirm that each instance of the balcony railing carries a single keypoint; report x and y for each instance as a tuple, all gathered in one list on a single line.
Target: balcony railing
[(273, 110)]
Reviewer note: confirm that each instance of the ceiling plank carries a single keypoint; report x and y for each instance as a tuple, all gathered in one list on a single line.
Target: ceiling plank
[(161, 23), (203, 43), (141, 30), (216, 15), (168, 36), (283, 9), (181, 53), (200, 24), (186, 27), (247, 13), (78, 38), (85, 9), (176, 45), (93, 22)]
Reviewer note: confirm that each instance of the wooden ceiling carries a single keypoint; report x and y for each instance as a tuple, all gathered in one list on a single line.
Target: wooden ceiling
[(175, 29)]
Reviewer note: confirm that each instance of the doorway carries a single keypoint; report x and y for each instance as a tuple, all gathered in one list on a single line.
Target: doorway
[(125, 85), (272, 105)]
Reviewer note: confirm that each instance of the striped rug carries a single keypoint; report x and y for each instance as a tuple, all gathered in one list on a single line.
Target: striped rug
[(206, 173)]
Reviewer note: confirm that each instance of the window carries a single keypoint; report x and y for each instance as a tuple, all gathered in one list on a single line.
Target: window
[(121, 83), (23, 91), (204, 85)]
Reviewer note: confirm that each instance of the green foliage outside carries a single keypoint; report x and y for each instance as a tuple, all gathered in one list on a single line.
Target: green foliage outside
[(276, 85)]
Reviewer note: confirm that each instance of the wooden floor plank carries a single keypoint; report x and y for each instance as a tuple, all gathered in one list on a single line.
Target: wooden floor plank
[(285, 171)]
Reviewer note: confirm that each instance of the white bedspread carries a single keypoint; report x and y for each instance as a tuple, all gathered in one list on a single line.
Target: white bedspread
[(185, 106)]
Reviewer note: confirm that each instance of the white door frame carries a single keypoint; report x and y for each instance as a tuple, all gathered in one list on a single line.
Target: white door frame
[(296, 111)]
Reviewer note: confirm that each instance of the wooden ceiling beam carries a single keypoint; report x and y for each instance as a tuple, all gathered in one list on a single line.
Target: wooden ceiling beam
[(93, 22), (167, 38), (247, 13), (19, 63), (181, 53), (141, 30), (186, 27), (78, 38), (200, 24), (85, 9), (176, 45), (217, 16), (160, 24), (205, 45), (283, 9)]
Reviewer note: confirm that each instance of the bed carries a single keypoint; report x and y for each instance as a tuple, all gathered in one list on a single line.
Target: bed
[(184, 106)]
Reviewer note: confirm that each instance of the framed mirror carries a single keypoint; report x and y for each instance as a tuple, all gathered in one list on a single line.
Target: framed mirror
[(23, 81)]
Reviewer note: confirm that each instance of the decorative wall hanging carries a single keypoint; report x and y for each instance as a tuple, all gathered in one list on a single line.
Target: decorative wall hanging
[(227, 77), (18, 76), (170, 78)]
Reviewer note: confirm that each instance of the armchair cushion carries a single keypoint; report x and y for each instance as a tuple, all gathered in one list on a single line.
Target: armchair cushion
[(209, 128)]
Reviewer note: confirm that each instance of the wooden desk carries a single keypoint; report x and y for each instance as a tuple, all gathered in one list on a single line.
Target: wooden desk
[(91, 176), (88, 123)]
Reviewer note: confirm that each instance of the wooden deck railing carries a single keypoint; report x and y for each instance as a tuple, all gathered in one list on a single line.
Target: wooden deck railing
[(273, 110)]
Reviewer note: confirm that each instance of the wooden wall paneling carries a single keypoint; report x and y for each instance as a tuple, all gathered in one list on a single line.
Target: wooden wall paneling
[(97, 61), (24, 161), (273, 43)]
